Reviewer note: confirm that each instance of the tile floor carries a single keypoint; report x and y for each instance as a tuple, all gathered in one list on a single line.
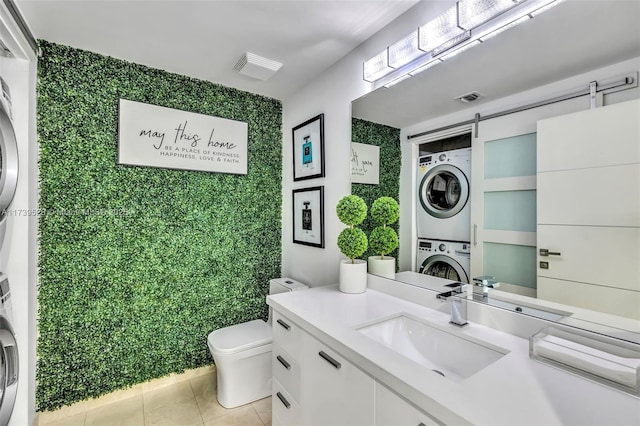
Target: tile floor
[(188, 402)]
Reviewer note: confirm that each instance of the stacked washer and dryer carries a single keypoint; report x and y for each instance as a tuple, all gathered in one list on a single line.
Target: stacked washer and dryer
[(444, 214), (8, 184)]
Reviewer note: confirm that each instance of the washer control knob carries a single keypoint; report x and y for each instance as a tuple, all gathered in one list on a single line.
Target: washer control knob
[(442, 157), (442, 247)]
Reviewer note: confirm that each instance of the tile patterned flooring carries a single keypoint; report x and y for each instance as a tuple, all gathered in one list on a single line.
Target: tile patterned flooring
[(188, 401)]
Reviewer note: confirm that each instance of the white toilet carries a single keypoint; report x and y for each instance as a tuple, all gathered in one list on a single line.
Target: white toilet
[(242, 354)]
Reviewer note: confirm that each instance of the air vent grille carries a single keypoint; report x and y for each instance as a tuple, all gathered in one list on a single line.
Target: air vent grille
[(256, 66), (469, 97)]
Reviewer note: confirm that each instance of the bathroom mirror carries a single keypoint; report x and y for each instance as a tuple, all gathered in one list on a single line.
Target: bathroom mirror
[(536, 53)]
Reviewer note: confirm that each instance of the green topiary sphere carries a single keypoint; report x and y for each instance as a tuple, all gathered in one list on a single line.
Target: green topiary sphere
[(351, 210), (352, 242), (383, 240), (385, 211)]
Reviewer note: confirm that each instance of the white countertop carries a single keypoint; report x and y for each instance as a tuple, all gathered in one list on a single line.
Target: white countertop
[(513, 390)]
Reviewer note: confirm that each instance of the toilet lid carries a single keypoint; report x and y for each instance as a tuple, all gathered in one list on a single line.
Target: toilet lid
[(240, 337)]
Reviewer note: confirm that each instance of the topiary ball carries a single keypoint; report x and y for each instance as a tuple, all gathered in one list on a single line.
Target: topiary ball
[(385, 211), (351, 210), (352, 242), (383, 240)]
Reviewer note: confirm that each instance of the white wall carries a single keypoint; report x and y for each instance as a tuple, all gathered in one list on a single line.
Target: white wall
[(332, 95)]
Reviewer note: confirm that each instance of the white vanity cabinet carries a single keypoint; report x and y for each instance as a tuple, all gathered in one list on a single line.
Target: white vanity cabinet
[(333, 391), (392, 410), (314, 385), (285, 365)]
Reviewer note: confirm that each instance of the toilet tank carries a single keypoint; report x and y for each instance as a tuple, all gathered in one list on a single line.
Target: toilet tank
[(282, 285)]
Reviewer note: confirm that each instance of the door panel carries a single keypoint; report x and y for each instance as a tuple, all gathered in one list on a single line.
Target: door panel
[(603, 196), (594, 138), (503, 159), (615, 301), (595, 255), (589, 209)]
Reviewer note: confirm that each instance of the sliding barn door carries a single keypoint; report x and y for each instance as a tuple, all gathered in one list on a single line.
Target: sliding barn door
[(588, 209)]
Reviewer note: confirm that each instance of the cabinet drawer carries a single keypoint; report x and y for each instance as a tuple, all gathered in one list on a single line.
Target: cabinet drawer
[(393, 410), (285, 410), (286, 370), (286, 334)]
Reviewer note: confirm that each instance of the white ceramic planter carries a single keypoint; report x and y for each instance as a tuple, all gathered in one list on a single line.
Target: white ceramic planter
[(353, 276), (382, 267)]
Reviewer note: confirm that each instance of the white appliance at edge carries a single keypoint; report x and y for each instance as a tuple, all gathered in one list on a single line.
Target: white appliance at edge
[(8, 354), (444, 259), (8, 169), (443, 210)]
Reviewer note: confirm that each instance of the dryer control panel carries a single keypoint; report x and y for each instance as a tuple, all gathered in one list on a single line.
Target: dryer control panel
[(441, 247)]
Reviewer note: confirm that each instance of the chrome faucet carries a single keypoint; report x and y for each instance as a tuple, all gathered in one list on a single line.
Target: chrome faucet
[(481, 286), (458, 303)]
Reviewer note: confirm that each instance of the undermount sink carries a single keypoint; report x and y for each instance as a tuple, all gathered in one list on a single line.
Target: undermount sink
[(447, 354)]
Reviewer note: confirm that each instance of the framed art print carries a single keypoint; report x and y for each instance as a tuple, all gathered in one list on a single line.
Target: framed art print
[(308, 216), (308, 149)]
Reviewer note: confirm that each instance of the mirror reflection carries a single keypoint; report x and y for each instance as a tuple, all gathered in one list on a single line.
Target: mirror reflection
[(507, 199)]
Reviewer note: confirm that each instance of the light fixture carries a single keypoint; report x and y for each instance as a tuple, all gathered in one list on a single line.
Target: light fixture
[(425, 67), (397, 80), (404, 51), (451, 43), (459, 28), (546, 7), (472, 13), (377, 67), (494, 32), (459, 50), (440, 30)]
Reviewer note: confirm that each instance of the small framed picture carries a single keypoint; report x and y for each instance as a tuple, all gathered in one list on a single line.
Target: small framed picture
[(308, 216), (308, 149)]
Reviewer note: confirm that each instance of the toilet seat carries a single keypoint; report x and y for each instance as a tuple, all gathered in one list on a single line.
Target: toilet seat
[(240, 337)]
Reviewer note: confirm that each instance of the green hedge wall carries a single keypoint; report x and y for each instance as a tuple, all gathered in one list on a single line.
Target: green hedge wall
[(388, 139), (137, 265)]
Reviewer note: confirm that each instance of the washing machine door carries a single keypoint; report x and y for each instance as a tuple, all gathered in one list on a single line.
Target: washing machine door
[(442, 266), (8, 371), (8, 162), (443, 191)]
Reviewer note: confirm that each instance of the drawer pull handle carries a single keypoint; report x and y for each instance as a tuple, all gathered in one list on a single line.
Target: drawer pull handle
[(283, 400), (284, 324), (284, 363), (330, 360)]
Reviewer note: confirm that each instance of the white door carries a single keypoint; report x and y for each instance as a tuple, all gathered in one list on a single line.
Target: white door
[(503, 196), (588, 209)]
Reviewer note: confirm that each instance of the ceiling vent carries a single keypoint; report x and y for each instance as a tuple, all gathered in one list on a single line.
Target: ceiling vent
[(468, 97), (256, 66)]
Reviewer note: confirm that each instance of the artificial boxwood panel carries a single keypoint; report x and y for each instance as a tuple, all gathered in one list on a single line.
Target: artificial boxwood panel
[(388, 139), (137, 265)]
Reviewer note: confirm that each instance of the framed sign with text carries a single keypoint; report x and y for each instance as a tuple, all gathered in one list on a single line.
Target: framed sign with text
[(365, 163), (155, 136)]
